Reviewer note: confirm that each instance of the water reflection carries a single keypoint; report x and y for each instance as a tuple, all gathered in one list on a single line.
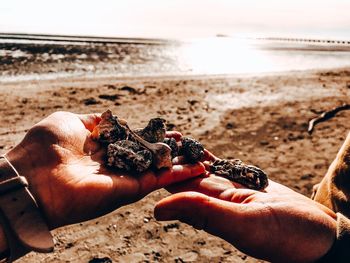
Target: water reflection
[(223, 56), (50, 59), (234, 56)]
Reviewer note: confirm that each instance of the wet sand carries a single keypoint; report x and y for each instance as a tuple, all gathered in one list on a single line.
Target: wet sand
[(262, 120)]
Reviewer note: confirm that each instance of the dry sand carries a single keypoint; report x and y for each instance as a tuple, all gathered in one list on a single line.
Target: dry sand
[(261, 120)]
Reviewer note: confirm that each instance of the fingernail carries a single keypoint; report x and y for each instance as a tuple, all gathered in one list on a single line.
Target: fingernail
[(176, 160), (178, 168)]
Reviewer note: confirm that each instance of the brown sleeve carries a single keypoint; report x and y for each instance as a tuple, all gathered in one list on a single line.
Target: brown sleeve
[(334, 189), (340, 251)]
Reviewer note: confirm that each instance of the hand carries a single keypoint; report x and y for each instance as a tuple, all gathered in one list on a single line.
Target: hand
[(276, 225), (66, 175)]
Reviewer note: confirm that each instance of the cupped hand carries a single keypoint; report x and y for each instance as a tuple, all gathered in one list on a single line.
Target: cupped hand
[(277, 224), (66, 175)]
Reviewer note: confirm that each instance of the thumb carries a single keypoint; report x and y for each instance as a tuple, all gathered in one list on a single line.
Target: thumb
[(213, 215), (90, 120)]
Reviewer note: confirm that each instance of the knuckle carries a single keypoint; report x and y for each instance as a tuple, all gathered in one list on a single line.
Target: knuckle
[(41, 132), (59, 113)]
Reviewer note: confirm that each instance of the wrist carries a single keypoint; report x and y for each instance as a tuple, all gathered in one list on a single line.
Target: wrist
[(22, 160), (5, 170), (22, 226)]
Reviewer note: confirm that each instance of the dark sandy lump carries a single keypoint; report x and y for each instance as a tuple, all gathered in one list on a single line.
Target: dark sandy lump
[(125, 152)]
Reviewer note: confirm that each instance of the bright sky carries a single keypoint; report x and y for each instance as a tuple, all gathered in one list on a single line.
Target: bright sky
[(177, 18)]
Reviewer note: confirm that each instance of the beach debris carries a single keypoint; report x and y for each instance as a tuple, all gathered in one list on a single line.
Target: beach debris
[(90, 101), (235, 170), (192, 150), (138, 150), (129, 156), (170, 126), (326, 116), (109, 97), (171, 142), (100, 260), (161, 152), (129, 89), (133, 150), (171, 226), (229, 126), (193, 102), (154, 131), (109, 130)]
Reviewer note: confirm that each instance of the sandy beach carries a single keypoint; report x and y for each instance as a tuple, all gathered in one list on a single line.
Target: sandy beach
[(260, 119)]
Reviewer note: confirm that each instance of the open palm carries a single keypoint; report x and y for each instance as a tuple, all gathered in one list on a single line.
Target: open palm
[(66, 175), (277, 224)]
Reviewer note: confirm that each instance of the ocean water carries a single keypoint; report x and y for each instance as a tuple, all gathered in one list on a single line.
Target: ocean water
[(27, 58)]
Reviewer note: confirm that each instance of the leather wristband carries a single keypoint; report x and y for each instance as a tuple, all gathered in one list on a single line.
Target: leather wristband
[(339, 252), (23, 224)]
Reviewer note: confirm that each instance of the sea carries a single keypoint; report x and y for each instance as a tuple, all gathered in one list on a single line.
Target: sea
[(32, 57)]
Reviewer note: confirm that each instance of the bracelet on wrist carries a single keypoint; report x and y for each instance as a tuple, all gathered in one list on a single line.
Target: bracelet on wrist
[(20, 217)]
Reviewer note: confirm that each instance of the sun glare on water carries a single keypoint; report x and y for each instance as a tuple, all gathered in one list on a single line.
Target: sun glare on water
[(223, 56)]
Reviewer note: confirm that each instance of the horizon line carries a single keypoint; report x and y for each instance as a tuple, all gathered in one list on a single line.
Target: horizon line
[(157, 40)]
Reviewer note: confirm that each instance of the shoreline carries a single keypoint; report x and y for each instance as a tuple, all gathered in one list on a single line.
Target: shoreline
[(261, 120), (31, 60), (49, 77)]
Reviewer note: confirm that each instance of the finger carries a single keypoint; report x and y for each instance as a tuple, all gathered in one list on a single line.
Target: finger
[(202, 212), (179, 173), (207, 165), (208, 156), (214, 186), (151, 181), (174, 134), (182, 160), (90, 120)]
